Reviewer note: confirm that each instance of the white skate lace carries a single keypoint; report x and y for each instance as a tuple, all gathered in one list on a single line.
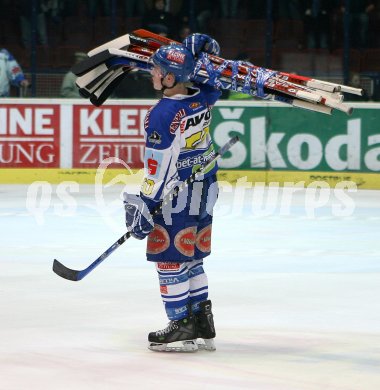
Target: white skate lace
[(171, 325)]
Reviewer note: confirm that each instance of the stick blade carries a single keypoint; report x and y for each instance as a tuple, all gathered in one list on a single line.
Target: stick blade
[(91, 63), (66, 273)]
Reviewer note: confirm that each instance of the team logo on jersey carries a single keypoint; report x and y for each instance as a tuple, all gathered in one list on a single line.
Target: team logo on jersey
[(195, 120), (190, 161), (147, 186), (155, 138), (194, 105), (152, 166), (158, 240), (203, 241), (184, 241), (152, 162), (16, 70), (175, 56), (177, 120), (146, 120), (164, 290), (196, 138)]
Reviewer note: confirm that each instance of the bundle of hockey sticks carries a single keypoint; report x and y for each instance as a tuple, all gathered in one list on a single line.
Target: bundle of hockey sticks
[(106, 66)]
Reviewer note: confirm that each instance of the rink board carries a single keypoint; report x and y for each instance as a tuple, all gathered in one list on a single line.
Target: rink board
[(121, 176), (59, 140)]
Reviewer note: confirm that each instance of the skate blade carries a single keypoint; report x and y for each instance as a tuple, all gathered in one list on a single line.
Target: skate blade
[(206, 344), (177, 346)]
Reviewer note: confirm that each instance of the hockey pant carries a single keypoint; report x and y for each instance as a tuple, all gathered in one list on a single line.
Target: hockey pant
[(182, 285), (188, 235)]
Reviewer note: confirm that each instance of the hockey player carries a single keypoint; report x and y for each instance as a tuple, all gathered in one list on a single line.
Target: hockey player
[(177, 142), (10, 73)]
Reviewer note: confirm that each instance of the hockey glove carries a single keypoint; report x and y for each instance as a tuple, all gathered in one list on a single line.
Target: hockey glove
[(201, 42), (138, 219)]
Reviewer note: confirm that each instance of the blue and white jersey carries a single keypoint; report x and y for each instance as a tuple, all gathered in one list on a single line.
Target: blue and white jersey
[(10, 72), (178, 141)]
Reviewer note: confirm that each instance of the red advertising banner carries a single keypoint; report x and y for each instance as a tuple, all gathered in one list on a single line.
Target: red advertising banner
[(110, 131), (30, 136)]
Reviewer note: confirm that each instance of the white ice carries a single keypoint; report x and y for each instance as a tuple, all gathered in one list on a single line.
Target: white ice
[(295, 289)]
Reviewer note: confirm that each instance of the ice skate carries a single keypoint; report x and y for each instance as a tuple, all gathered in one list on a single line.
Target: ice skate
[(205, 327), (178, 336)]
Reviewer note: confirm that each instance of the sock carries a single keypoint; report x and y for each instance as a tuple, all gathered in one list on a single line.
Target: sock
[(174, 288)]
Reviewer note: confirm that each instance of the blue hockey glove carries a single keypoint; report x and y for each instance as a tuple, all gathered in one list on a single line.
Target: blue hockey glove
[(201, 42), (138, 219)]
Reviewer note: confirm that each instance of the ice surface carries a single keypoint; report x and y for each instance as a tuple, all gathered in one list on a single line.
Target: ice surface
[(295, 288)]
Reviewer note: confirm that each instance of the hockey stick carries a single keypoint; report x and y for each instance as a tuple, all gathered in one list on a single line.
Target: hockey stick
[(103, 92), (99, 88), (298, 87), (75, 275), (319, 101), (101, 72), (155, 41), (135, 55), (202, 77), (98, 82)]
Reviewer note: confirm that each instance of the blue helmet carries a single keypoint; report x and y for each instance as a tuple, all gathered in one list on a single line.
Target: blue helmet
[(176, 59)]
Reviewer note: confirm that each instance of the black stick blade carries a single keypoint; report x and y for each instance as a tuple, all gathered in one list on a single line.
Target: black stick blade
[(65, 272), (90, 63)]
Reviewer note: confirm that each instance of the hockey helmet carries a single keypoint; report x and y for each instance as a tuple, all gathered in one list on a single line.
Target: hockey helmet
[(176, 59)]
